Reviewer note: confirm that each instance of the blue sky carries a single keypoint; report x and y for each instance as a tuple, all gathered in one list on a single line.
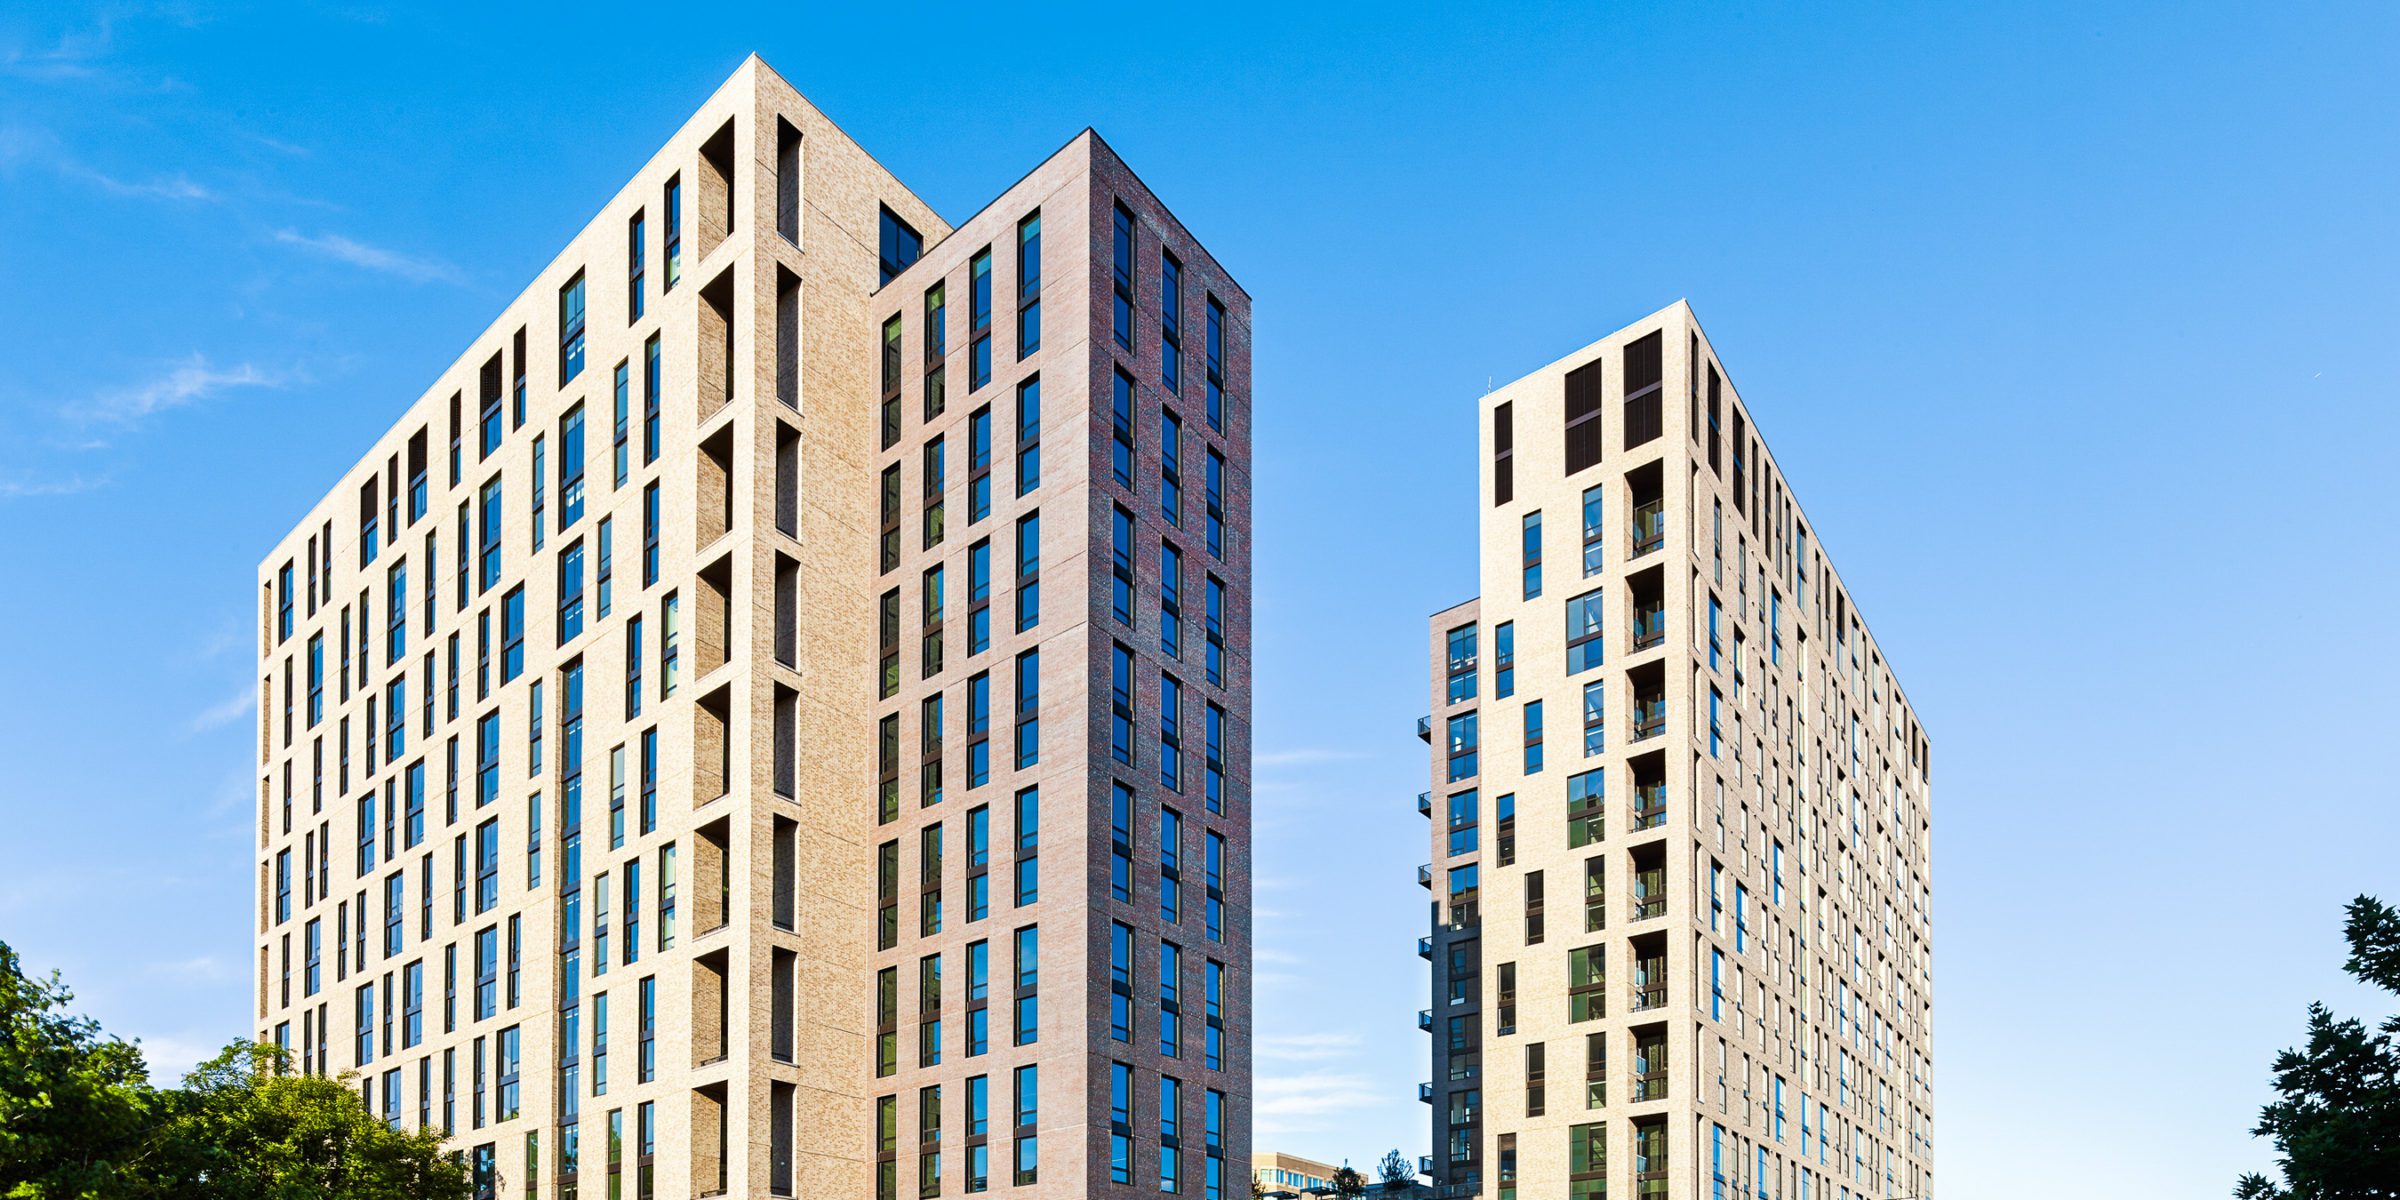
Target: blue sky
[(2072, 330)]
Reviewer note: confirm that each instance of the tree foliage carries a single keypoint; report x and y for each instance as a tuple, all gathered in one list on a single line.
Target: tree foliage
[(79, 1120), (1395, 1170), (1347, 1182), (2336, 1121)]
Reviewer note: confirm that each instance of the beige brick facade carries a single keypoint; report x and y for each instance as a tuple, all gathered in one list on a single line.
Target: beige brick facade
[(1680, 942), (639, 697)]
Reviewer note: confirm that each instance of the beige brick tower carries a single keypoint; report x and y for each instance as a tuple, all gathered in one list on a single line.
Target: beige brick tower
[(593, 670), (1680, 935)]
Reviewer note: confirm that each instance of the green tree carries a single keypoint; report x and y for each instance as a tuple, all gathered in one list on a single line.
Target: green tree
[(1347, 1182), (2336, 1124), (79, 1120), (76, 1105), (245, 1127), (1395, 1170)]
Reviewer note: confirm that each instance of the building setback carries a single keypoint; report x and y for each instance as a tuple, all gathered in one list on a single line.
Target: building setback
[(1680, 929), (782, 699)]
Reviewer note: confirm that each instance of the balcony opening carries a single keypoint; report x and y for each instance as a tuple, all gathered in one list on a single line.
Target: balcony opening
[(1649, 881), (712, 749), (708, 1136), (712, 618), (1649, 682), (716, 189), (787, 181), (787, 714), (1649, 971), (708, 1008), (715, 373), (1649, 790), (1646, 489), (1649, 1063), (785, 913), (783, 1099), (787, 610), (1647, 591), (787, 338), (712, 890), (713, 494), (782, 974)]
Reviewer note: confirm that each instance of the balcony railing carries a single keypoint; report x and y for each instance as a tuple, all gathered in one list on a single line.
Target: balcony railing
[(1424, 804), (1652, 1086), (1649, 527), (1425, 727), (1649, 718), (1649, 806), (1647, 996), (1649, 628), (1646, 907), (1425, 1092), (1425, 1019), (1424, 875), (1425, 948)]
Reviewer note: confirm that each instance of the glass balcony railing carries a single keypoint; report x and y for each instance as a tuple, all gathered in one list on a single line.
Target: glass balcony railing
[(1649, 628), (1425, 948), (1649, 806), (1647, 906), (1652, 1086), (1425, 875), (1649, 527), (1424, 804), (1649, 717), (1425, 1019), (1425, 1092), (1425, 727)]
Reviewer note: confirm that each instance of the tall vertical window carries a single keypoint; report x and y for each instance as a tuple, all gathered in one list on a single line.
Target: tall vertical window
[(1120, 843), (1595, 558), (1584, 614), (604, 575), (1029, 709), (1170, 467), (979, 597), (1120, 705), (652, 385), (1120, 981), (570, 468), (570, 330), (1533, 737), (1215, 736), (1462, 742), (979, 729), (937, 347), (1215, 602), (979, 319), (891, 378), (1215, 496), (1504, 453), (570, 593), (1028, 966), (673, 231), (1583, 387), (649, 534), (1504, 660), (487, 517), (620, 431), (1214, 864), (1029, 435), (1029, 845), (979, 464), (512, 634), (1029, 571), (1216, 364), (1170, 733), (1170, 600), (1120, 559), (1029, 285), (936, 464), (1532, 541), (636, 265), (1170, 322), (1121, 273), (1459, 653)]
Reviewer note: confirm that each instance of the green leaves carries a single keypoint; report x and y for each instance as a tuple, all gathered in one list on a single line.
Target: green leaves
[(79, 1119), (2336, 1125)]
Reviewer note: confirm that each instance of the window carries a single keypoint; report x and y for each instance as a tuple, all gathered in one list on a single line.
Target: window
[(1583, 632), (1029, 435), (1170, 321), (979, 729), (1120, 731), (1504, 660), (1029, 571), (1595, 559), (1121, 258), (1215, 496), (1586, 791), (979, 597), (1029, 837), (487, 517), (1170, 600), (1215, 603), (1028, 983), (1533, 554), (979, 464), (1504, 453), (1029, 285), (1120, 856), (1583, 417), (1216, 364), (1214, 737), (1120, 559), (1460, 654), (1121, 430), (649, 535), (512, 632), (570, 468), (570, 593), (898, 246), (1170, 467), (570, 330), (1120, 981), (1029, 703), (1595, 717), (1028, 1105), (652, 386), (1461, 740), (1533, 737), (673, 221), (979, 319), (1170, 733), (1120, 1123), (636, 263), (604, 579), (936, 460), (1214, 864)]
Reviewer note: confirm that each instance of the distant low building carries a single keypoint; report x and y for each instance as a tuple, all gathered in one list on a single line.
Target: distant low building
[(1290, 1174)]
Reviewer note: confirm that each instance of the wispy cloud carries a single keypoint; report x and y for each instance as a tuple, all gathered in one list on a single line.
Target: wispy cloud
[(169, 187), (15, 485), (1304, 757), (372, 258), (188, 382), (1306, 1047), (225, 712), (1293, 1103)]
